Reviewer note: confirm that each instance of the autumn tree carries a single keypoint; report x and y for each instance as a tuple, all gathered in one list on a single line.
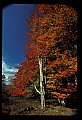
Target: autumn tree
[(27, 72), (52, 46), (53, 29)]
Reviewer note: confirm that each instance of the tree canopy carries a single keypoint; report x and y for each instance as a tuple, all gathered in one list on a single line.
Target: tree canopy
[(52, 36)]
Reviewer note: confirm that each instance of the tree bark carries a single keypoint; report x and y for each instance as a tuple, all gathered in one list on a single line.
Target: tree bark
[(42, 88)]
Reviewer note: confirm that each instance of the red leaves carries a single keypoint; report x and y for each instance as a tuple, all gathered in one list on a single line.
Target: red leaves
[(54, 40), (27, 70), (23, 92), (18, 91), (48, 35)]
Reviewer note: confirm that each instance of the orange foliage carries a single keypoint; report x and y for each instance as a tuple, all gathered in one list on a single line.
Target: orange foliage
[(52, 34), (17, 91), (58, 95)]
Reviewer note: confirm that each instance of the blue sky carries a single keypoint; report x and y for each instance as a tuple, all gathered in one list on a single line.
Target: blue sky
[(14, 35)]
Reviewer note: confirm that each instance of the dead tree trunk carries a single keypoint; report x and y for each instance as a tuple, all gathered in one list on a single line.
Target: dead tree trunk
[(42, 89), (42, 85)]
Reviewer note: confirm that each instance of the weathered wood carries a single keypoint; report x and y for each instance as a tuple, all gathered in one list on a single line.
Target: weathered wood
[(42, 89), (37, 90)]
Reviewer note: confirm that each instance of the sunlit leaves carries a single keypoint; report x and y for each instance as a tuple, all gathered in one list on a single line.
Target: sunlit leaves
[(52, 34)]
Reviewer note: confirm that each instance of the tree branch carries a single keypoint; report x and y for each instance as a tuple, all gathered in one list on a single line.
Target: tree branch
[(37, 90)]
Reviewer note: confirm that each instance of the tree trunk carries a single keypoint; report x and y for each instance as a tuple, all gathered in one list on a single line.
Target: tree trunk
[(42, 88)]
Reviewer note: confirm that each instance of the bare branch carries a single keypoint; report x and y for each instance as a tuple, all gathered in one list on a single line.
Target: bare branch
[(37, 90)]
